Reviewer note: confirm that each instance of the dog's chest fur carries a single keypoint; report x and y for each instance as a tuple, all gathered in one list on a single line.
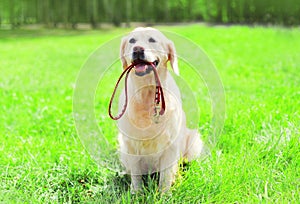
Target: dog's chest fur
[(141, 108), (143, 135)]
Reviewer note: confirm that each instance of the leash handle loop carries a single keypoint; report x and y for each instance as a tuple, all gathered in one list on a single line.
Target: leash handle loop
[(127, 70), (159, 95)]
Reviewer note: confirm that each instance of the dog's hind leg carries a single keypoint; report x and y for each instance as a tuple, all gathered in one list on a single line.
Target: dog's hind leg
[(194, 147)]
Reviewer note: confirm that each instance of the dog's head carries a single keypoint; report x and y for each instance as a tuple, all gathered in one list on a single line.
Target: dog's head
[(147, 45)]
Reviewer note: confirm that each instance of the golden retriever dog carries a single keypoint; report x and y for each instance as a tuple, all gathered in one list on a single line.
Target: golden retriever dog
[(151, 142)]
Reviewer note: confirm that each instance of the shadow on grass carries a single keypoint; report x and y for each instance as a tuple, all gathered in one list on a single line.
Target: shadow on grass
[(106, 186)]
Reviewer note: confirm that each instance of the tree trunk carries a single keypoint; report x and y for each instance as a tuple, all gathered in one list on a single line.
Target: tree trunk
[(219, 17), (94, 14), (66, 13), (128, 13), (12, 14), (45, 12)]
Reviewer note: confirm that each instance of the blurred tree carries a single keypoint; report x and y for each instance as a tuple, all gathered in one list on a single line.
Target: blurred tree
[(219, 11), (12, 14), (45, 12), (73, 16), (92, 6), (1, 13), (128, 12)]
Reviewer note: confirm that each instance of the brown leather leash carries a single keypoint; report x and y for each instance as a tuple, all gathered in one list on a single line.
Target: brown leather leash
[(159, 95)]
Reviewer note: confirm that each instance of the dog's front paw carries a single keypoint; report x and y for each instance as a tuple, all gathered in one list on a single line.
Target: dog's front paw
[(134, 189), (136, 184), (167, 178)]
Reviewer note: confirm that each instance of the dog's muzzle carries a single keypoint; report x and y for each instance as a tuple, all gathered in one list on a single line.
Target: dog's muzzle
[(142, 67)]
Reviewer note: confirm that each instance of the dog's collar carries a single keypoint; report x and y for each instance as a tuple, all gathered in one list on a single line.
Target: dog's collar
[(159, 95)]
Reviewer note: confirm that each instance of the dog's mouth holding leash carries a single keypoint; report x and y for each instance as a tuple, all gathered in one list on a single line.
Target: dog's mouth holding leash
[(143, 67)]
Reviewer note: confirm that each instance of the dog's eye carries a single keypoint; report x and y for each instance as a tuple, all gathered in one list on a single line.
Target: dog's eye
[(152, 40), (132, 40)]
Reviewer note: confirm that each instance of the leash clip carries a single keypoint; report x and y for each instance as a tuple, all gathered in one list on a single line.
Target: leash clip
[(156, 113)]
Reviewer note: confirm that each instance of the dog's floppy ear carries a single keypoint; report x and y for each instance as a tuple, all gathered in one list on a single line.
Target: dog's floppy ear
[(172, 57), (122, 52)]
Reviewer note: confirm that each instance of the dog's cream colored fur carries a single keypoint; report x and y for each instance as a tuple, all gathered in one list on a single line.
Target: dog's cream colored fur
[(146, 146)]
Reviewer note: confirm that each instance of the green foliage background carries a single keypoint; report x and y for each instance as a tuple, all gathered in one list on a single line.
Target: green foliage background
[(51, 13)]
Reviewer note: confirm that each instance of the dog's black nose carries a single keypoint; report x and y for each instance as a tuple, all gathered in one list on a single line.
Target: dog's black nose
[(138, 53)]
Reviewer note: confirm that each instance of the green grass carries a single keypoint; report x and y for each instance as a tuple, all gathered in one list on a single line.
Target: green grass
[(256, 159)]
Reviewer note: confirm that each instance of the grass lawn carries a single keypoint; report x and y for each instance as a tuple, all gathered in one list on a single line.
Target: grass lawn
[(256, 160)]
